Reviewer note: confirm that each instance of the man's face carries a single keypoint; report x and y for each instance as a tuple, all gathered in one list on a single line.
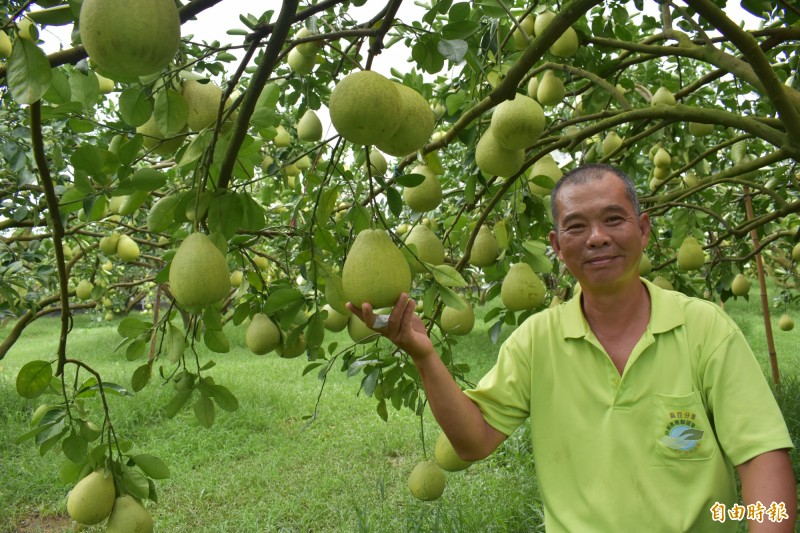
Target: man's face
[(599, 238)]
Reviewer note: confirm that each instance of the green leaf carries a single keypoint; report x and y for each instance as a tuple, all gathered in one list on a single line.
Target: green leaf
[(395, 201), (447, 276), (171, 112), (68, 471), (204, 411), (225, 214), (136, 483), (135, 107), (410, 180), (59, 92), (382, 411), (370, 380), (196, 148), (140, 378), (84, 89), (280, 299), (177, 402), (315, 331), (212, 319), (95, 161), (28, 73), (224, 398), (216, 341), (71, 201), (135, 350), (34, 378), (132, 327), (451, 298), (151, 465), (454, 49), (75, 448)]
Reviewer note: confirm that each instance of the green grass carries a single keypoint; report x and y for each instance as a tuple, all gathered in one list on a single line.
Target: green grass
[(263, 468)]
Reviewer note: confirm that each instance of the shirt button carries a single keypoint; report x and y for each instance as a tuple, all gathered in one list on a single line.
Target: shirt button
[(615, 381)]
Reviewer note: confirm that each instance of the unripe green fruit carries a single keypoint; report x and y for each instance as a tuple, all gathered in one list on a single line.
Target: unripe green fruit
[(526, 24), (543, 20), (335, 321), (26, 29), (645, 267), (375, 271), (690, 255), (5, 45), (129, 516), (517, 123), (377, 163), (309, 127), (299, 63), (282, 138), (262, 336), (104, 84), (796, 252), (429, 248), (199, 275), (446, 457), (130, 42), (786, 323), (92, 499), (484, 249), (156, 141), (39, 413), (203, 100), (427, 195), (521, 288), (533, 87), (290, 351), (415, 127), (740, 286), (551, 89), (90, 431), (310, 48), (699, 129), (546, 166), (662, 159), (236, 278), (426, 481), (365, 107), (494, 159), (84, 289), (457, 322), (566, 45), (357, 330), (662, 96), (664, 283), (127, 249), (611, 143)]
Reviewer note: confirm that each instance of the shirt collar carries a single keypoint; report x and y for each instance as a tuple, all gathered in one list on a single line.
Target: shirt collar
[(666, 313)]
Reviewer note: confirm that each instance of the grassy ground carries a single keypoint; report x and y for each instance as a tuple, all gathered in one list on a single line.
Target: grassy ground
[(263, 469)]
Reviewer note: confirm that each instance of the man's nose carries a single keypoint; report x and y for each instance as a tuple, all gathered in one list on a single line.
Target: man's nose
[(597, 236)]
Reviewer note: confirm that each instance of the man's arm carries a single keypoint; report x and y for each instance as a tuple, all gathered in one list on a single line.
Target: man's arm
[(461, 420), (768, 478)]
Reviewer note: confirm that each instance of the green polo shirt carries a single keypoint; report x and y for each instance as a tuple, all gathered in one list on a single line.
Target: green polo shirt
[(650, 450)]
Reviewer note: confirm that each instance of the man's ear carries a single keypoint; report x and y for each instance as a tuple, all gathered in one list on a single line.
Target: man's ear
[(554, 243), (644, 227)]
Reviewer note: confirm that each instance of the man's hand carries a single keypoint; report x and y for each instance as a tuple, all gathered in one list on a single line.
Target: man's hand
[(405, 328)]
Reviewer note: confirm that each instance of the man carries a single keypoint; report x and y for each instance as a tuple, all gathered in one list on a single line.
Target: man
[(641, 401)]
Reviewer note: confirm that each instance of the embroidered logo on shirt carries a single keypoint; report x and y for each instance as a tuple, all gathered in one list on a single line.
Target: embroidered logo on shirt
[(681, 433)]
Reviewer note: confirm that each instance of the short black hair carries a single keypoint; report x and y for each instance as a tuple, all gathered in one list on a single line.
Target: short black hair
[(587, 173)]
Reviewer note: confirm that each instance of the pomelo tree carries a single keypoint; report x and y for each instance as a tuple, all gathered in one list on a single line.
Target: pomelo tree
[(113, 157)]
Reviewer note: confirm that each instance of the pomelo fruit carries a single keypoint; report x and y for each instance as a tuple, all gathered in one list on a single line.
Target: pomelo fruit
[(199, 275), (740, 286), (566, 45), (130, 41), (700, 129), (129, 516), (429, 248), (522, 289), (156, 141), (495, 159), (377, 163), (426, 481), (415, 128), (662, 96), (357, 330), (162, 214), (611, 143), (484, 249), (309, 127), (84, 289), (203, 100), (526, 25), (92, 498), (517, 123), (664, 283), (127, 249), (645, 266), (300, 63), (375, 270), (335, 321), (262, 336), (427, 195), (365, 107), (546, 166), (690, 255), (786, 323), (550, 90), (108, 244), (310, 48), (458, 321), (295, 349), (5, 45), (282, 139), (446, 457)]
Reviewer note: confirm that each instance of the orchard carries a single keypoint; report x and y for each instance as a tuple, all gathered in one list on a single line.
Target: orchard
[(343, 151)]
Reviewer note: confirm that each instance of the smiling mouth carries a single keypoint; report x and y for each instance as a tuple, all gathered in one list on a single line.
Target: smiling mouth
[(600, 260)]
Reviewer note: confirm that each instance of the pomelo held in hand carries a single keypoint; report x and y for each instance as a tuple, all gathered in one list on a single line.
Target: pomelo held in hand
[(130, 39), (92, 499), (365, 107), (199, 275), (375, 270)]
